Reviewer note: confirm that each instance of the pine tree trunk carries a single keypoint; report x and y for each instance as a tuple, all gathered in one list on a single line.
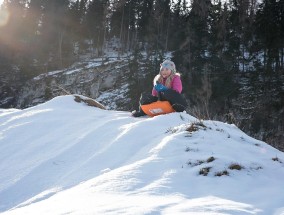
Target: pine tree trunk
[(167, 36), (282, 59), (128, 33), (60, 41), (121, 31)]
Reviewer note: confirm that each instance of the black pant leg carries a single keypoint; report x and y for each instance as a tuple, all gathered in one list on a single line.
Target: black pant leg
[(147, 98), (176, 99)]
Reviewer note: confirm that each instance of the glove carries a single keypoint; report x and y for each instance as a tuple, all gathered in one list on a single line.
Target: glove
[(160, 88)]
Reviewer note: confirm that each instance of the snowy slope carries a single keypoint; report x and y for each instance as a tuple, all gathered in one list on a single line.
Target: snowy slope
[(63, 157)]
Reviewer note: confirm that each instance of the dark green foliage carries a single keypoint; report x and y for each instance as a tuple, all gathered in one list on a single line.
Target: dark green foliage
[(270, 31), (95, 25), (209, 38)]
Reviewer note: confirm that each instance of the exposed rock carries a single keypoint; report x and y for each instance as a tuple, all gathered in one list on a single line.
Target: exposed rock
[(88, 80), (88, 101)]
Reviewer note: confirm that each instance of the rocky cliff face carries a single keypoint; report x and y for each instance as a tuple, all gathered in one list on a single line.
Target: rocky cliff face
[(10, 83), (89, 78)]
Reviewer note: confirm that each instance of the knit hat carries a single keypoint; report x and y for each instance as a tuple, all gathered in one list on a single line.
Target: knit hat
[(168, 64)]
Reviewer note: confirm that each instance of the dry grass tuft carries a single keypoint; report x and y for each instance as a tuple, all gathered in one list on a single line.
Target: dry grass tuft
[(277, 159), (204, 171), (195, 126), (235, 166), (211, 159), (219, 174)]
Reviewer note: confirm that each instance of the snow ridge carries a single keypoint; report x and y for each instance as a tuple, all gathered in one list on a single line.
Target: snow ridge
[(66, 157)]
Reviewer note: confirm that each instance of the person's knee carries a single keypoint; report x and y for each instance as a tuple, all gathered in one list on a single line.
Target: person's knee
[(178, 107), (147, 98)]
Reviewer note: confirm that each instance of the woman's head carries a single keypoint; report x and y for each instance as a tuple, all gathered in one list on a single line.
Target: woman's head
[(167, 68)]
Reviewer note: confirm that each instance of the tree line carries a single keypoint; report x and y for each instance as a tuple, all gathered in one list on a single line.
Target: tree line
[(214, 42), (209, 35)]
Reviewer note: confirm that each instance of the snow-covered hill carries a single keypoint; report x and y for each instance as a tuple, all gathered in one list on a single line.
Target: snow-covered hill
[(64, 157)]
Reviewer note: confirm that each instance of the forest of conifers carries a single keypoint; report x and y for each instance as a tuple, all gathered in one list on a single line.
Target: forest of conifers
[(219, 47), (211, 36)]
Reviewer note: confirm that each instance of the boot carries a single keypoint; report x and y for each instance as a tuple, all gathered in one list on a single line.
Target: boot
[(138, 113)]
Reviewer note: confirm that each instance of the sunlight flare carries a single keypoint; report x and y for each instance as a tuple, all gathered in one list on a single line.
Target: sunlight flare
[(4, 16)]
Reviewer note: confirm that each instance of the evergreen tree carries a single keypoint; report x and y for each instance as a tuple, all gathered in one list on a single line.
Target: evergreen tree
[(55, 41), (96, 23), (123, 24), (31, 34), (162, 20), (223, 84), (218, 38), (145, 21), (130, 26), (198, 34), (242, 15), (77, 27), (269, 22)]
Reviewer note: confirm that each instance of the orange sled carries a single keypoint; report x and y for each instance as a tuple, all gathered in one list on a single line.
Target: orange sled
[(157, 108)]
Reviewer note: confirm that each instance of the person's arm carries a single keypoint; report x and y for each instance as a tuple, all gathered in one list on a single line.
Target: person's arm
[(154, 92), (176, 84)]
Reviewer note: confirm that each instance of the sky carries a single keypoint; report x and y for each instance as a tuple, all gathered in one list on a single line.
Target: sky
[(64, 157)]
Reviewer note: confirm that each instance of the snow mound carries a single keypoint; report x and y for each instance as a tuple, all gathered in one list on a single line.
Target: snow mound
[(66, 157)]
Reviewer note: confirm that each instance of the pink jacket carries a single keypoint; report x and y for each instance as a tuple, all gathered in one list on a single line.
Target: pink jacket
[(175, 85)]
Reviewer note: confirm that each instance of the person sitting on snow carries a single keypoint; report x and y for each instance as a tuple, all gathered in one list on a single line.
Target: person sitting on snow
[(167, 87)]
